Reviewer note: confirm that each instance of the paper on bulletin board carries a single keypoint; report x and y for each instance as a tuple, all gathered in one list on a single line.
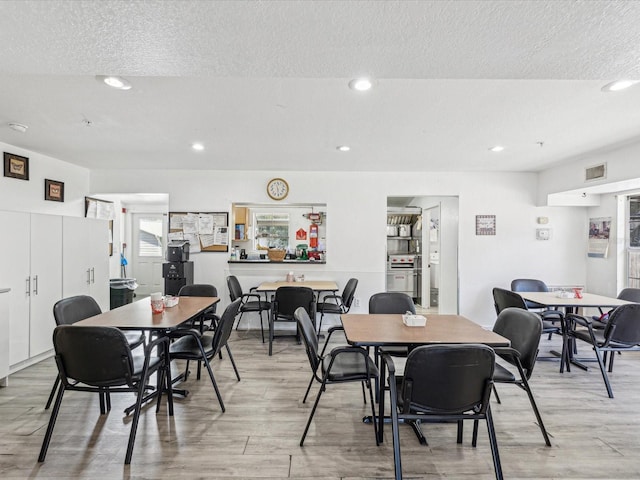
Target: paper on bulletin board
[(599, 233)]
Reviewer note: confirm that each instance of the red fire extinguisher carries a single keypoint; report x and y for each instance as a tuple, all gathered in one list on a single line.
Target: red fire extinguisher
[(313, 236)]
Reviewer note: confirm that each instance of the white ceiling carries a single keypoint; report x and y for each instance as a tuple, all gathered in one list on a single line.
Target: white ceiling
[(263, 84)]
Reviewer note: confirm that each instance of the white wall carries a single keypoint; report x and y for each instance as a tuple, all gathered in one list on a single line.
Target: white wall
[(28, 196), (356, 219)]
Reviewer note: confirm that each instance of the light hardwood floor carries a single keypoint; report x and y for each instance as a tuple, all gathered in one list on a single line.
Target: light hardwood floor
[(592, 436)]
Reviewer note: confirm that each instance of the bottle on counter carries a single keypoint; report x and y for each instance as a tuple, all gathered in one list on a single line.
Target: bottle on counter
[(290, 277), (234, 255)]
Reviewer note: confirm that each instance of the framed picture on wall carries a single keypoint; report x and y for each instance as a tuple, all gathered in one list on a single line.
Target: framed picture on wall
[(16, 166), (485, 224), (53, 190)]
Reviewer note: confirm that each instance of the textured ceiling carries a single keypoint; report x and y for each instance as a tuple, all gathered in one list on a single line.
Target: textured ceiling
[(264, 84)]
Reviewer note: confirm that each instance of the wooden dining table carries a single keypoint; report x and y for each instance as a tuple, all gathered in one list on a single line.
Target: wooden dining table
[(380, 330), (571, 304), (138, 316)]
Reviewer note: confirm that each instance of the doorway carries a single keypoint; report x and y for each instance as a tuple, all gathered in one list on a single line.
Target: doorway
[(440, 249), (147, 253)]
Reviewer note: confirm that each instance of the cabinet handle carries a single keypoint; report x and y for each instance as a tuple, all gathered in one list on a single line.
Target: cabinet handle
[(88, 276), (35, 284), (93, 275), (28, 292)]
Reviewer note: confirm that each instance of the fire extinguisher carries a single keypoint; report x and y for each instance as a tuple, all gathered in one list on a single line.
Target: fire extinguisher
[(313, 236)]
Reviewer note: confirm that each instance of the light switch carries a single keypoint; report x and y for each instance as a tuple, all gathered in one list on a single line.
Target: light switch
[(543, 233)]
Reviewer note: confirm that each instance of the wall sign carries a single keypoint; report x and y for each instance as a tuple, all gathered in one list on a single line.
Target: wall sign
[(485, 224)]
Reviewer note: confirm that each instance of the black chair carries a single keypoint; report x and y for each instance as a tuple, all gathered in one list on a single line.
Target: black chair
[(508, 299), (208, 319), (284, 304), (341, 364), (621, 333), (99, 359), (443, 383), (193, 345), (550, 316), (337, 304), (523, 329), (80, 307), (391, 302), (247, 305), (628, 294)]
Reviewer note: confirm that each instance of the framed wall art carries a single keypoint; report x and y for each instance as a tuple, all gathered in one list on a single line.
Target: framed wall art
[(485, 224), (16, 166), (53, 190)]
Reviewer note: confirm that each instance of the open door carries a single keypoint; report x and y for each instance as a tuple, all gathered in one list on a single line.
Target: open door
[(149, 245)]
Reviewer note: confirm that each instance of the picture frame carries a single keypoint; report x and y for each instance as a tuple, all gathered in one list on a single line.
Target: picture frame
[(16, 166), (53, 190), (485, 224)]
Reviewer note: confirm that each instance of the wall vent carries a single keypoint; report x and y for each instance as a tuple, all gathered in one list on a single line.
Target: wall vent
[(596, 172)]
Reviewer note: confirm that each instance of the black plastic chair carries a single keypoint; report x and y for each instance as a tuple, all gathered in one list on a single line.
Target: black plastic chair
[(628, 294), (284, 304), (523, 329), (550, 316), (258, 305), (621, 333), (506, 298), (99, 359), (208, 319), (193, 345), (443, 383), (80, 307), (340, 365), (337, 304)]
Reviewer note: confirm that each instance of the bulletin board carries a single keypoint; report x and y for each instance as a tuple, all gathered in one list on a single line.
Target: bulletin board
[(206, 231)]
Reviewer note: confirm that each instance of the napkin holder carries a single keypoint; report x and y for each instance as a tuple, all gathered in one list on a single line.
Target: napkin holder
[(170, 301), (411, 320)]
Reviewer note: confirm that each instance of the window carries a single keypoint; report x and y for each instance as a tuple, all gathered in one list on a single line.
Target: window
[(272, 230), (633, 257), (150, 237)]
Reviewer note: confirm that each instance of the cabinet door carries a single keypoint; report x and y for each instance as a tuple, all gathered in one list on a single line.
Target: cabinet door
[(98, 255), (76, 271), (15, 274), (46, 279)]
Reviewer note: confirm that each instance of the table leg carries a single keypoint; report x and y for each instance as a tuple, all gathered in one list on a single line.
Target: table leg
[(381, 388)]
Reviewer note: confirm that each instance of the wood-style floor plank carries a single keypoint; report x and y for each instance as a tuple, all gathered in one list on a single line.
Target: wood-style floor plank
[(593, 437)]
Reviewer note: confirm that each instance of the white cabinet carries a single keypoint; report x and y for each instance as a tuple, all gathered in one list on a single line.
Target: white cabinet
[(85, 257), (4, 339), (32, 268)]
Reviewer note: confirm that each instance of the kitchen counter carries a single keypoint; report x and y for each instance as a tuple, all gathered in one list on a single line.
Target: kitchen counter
[(294, 262)]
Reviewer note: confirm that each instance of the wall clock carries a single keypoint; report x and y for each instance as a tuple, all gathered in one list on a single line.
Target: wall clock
[(278, 188)]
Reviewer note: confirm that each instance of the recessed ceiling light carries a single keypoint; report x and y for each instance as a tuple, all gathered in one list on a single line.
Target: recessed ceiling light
[(343, 148), (197, 146), (114, 82), (618, 85), (360, 84), (497, 148), (18, 127)]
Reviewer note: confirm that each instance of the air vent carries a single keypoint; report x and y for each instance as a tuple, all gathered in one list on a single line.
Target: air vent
[(596, 172)]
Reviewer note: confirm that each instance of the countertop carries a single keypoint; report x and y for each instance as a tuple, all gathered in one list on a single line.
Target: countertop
[(299, 262)]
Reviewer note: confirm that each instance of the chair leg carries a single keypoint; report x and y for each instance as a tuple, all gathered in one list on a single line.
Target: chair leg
[(308, 388), (313, 410), (239, 318), (186, 371), (320, 323), (373, 413), (459, 435), (474, 439), (527, 388), (235, 369), (603, 370), (134, 422), (271, 322), (262, 325), (397, 462), (53, 392), (52, 422), (213, 380), (612, 355), (494, 445), (495, 392)]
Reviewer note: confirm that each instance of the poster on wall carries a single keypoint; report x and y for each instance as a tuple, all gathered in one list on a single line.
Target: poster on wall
[(599, 231)]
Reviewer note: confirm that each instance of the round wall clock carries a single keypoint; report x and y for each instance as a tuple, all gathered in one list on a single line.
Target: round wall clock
[(278, 188)]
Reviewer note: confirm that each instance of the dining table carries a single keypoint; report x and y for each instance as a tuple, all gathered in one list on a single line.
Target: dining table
[(138, 316), (571, 303), (315, 285), (380, 330)]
